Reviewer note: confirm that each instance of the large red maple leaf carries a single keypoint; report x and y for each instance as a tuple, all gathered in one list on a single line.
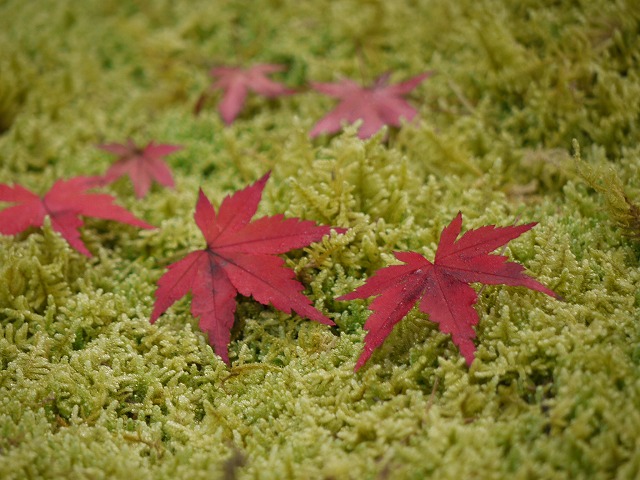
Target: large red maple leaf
[(442, 286), (239, 257), (64, 203), (142, 164), (377, 106), (236, 83)]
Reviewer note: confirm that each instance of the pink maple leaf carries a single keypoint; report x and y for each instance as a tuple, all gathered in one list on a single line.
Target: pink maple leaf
[(442, 285), (377, 106), (236, 82), (143, 165), (64, 203), (240, 257)]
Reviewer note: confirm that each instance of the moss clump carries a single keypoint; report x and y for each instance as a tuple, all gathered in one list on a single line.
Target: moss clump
[(90, 389)]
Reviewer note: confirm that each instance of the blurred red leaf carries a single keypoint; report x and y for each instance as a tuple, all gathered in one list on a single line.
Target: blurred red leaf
[(142, 165), (236, 82), (377, 106)]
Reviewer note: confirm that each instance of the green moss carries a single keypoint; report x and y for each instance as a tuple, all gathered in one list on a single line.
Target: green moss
[(90, 389)]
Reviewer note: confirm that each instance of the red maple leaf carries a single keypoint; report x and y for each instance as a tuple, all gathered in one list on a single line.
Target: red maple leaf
[(442, 285), (236, 83), (377, 106), (64, 203), (143, 165), (240, 257)]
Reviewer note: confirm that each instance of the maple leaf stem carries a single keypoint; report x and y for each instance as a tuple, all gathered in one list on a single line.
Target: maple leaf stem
[(197, 108), (173, 258), (360, 55), (432, 396), (457, 91)]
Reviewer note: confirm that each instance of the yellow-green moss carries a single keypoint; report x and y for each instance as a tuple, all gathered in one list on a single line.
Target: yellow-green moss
[(90, 389)]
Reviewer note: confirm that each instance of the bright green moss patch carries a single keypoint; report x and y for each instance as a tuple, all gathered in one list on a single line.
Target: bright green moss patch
[(90, 389)]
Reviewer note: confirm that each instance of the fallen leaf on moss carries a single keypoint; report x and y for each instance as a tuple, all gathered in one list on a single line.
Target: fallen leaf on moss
[(143, 165), (240, 258), (442, 286), (377, 106), (64, 203), (236, 82)]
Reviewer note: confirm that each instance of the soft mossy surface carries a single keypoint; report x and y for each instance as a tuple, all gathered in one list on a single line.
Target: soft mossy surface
[(90, 389)]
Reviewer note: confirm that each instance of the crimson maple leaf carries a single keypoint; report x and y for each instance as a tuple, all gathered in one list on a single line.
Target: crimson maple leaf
[(236, 83), (377, 106), (239, 257), (442, 285), (64, 203), (143, 165)]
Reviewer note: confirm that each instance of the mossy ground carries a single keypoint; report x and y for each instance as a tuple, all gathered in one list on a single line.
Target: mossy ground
[(90, 389)]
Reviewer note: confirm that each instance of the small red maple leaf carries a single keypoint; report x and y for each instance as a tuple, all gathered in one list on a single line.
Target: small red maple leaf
[(143, 165), (240, 257), (442, 285), (236, 83), (377, 106), (64, 203)]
